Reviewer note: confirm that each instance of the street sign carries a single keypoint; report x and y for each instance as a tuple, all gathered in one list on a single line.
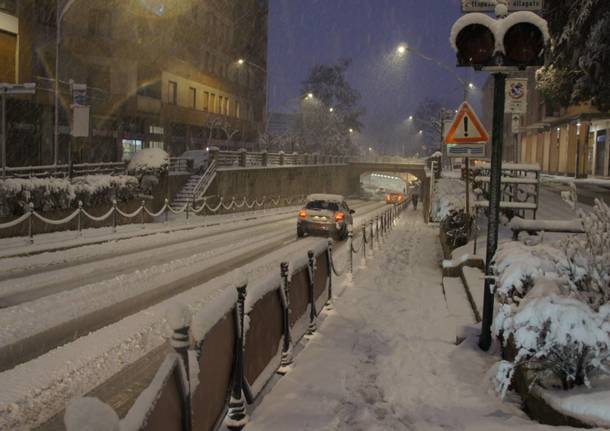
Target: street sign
[(466, 150), (490, 5), (516, 96), (466, 128)]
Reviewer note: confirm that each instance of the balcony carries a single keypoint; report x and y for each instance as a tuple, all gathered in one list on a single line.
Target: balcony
[(148, 105)]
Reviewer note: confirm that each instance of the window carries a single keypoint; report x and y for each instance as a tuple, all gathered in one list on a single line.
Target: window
[(237, 110), (193, 96), (206, 100), (156, 144), (227, 106), (172, 92), (212, 102), (130, 147), (219, 107)]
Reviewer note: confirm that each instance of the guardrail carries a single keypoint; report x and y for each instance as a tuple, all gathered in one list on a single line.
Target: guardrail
[(235, 361), (80, 214)]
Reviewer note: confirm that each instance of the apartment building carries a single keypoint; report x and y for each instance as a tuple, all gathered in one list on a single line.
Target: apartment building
[(158, 74)]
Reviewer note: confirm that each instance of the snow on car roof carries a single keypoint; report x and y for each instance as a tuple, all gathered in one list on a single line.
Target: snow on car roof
[(325, 197)]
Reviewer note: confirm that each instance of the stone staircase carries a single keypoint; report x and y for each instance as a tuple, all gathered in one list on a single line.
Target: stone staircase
[(195, 187), (186, 193)]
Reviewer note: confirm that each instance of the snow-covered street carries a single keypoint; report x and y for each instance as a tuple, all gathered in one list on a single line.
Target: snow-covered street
[(386, 359)]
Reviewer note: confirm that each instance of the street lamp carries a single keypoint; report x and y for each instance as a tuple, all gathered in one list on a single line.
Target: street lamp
[(403, 48), (309, 96), (331, 109), (60, 13)]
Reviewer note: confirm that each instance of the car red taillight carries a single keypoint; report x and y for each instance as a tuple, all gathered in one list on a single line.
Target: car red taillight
[(303, 214), (339, 216)]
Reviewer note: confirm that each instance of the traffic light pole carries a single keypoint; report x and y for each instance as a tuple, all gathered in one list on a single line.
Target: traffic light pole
[(494, 207)]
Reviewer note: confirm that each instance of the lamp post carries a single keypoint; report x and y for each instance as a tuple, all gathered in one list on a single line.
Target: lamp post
[(403, 49), (60, 13), (241, 61)]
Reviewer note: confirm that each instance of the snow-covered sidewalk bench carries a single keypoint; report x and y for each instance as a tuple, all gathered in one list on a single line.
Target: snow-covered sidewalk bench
[(518, 225)]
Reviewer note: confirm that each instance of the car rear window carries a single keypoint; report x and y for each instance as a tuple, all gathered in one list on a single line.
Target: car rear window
[(322, 205)]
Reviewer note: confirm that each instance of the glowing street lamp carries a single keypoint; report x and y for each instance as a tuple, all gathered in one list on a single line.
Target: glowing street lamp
[(309, 96), (241, 61), (331, 109), (351, 130), (410, 117), (402, 49)]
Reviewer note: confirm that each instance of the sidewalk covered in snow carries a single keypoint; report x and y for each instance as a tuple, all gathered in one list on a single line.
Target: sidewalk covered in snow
[(386, 359)]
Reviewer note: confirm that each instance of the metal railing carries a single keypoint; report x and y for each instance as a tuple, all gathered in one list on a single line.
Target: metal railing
[(66, 170), (81, 215), (205, 181), (265, 349)]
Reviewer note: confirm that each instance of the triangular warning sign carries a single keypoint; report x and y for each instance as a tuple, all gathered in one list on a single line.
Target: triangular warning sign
[(466, 128)]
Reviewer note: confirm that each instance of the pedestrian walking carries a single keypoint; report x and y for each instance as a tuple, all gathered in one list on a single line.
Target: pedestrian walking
[(414, 198)]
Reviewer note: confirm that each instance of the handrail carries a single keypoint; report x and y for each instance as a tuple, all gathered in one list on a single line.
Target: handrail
[(205, 181)]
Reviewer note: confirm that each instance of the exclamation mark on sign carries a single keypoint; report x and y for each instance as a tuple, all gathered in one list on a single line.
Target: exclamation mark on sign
[(466, 126)]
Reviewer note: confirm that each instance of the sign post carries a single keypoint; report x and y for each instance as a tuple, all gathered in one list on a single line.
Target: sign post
[(467, 136), (6, 90)]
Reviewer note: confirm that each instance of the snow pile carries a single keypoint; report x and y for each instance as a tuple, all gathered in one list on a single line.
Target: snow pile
[(61, 193), (561, 340), (90, 414), (149, 161)]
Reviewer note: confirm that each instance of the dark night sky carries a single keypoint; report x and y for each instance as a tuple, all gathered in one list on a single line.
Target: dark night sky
[(306, 32)]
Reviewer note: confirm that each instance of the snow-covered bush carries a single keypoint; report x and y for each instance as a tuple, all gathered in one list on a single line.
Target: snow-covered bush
[(518, 266), (149, 161), (562, 341), (449, 194), (554, 305), (456, 228), (588, 257), (47, 194)]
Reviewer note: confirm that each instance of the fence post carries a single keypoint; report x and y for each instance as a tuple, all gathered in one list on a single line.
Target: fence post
[(186, 209), (281, 153), (236, 417), (179, 320), (114, 215), (78, 220), (166, 210), (350, 240), (31, 215), (265, 157), (287, 359), (329, 254), (142, 213), (364, 241), (372, 237), (243, 157), (311, 329), (377, 227)]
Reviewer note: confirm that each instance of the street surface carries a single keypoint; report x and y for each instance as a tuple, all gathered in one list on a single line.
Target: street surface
[(103, 305)]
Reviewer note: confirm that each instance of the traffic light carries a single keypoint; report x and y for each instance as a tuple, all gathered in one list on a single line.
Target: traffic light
[(519, 40)]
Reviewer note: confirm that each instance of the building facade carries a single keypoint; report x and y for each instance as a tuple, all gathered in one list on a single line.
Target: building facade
[(563, 141), (157, 73)]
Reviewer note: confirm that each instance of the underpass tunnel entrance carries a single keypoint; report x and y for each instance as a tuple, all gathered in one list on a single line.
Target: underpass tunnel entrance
[(378, 184)]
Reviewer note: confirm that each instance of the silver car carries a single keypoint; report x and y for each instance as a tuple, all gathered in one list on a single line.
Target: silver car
[(325, 215)]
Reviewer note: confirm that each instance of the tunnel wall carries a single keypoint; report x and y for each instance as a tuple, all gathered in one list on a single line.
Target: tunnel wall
[(255, 183)]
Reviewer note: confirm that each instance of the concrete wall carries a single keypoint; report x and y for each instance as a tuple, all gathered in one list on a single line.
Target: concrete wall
[(283, 181)]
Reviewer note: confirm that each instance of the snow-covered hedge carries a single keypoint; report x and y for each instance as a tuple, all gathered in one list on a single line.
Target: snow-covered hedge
[(49, 194), (449, 194), (561, 340), (151, 161), (554, 305)]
